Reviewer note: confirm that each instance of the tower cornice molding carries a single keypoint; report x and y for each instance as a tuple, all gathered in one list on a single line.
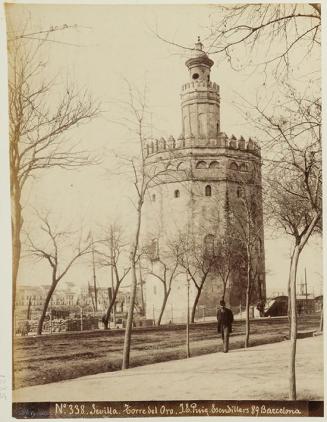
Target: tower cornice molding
[(202, 60)]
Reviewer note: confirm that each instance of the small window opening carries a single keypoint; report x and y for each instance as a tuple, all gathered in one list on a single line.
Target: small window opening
[(154, 250), (195, 76), (208, 190), (239, 192), (153, 197), (208, 78), (177, 193)]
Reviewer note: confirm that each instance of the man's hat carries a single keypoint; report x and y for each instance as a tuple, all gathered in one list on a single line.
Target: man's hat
[(222, 302)]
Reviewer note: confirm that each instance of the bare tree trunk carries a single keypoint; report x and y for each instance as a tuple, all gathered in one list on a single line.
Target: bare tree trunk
[(94, 283), (195, 304), (110, 307), (247, 318), (247, 304), (142, 293), (293, 273), (28, 315), (289, 303), (17, 222), (188, 354), (224, 290), (16, 225), (292, 278), (163, 306), (45, 308), (129, 322)]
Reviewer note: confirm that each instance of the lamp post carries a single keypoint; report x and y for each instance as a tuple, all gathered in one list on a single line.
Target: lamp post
[(81, 303), (50, 322)]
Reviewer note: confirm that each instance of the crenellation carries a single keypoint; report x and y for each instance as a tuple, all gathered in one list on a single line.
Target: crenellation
[(241, 143), (171, 142), (197, 85), (162, 144), (221, 141)]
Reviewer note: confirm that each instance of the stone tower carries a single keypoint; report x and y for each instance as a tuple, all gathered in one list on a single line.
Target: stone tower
[(203, 175)]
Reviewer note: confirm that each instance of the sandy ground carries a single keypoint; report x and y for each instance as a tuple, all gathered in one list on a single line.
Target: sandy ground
[(256, 373)]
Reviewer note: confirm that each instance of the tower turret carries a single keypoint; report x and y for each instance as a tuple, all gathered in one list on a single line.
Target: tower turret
[(200, 100)]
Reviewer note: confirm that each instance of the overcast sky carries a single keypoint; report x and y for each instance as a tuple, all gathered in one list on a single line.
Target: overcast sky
[(110, 44)]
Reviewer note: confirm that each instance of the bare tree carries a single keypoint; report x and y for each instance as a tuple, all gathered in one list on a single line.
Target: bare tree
[(294, 179), (134, 116), (247, 230), (109, 253), (40, 117), (227, 259), (238, 32), (52, 251), (196, 256), (164, 269), (299, 220)]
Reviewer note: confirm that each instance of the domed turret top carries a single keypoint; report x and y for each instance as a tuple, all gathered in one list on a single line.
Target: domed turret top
[(198, 56)]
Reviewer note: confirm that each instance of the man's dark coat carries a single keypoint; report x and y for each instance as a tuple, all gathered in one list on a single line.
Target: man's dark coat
[(225, 318)]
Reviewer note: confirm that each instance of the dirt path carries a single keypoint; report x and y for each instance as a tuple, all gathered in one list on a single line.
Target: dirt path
[(259, 372)]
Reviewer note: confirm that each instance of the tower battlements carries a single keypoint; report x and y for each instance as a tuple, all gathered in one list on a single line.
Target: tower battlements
[(221, 141), (199, 85)]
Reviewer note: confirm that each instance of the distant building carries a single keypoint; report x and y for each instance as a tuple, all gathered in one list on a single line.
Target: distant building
[(35, 295), (68, 301), (305, 304)]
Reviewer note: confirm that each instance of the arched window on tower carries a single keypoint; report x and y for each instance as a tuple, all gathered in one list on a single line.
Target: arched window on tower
[(176, 193), (214, 165), (208, 190), (154, 250), (201, 165), (233, 166)]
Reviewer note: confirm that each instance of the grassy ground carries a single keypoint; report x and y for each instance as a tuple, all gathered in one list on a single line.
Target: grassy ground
[(44, 359)]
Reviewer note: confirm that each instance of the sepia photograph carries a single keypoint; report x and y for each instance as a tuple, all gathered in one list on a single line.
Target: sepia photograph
[(165, 191)]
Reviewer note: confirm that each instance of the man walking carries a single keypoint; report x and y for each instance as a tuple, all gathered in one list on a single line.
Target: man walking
[(225, 320)]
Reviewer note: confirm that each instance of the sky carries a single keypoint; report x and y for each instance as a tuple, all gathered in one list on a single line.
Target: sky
[(107, 46)]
